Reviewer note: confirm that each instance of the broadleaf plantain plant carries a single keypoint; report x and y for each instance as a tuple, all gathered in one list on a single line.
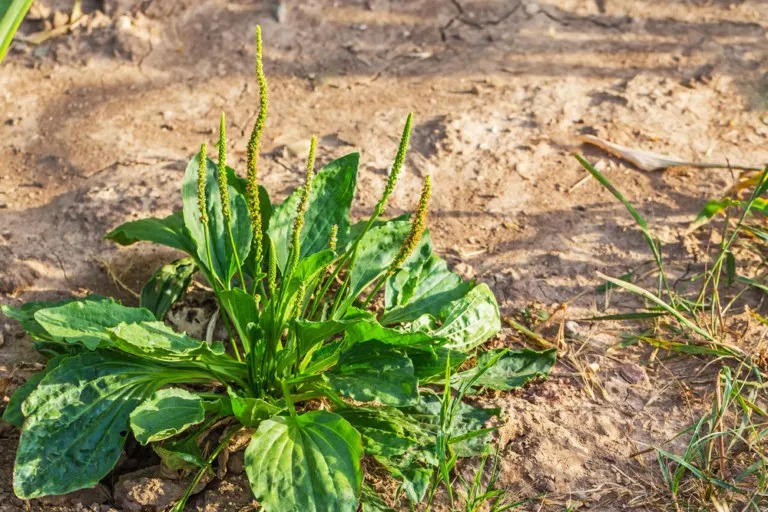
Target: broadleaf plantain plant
[(311, 369)]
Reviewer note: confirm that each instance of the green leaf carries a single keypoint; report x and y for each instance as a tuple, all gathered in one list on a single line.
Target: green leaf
[(712, 208), (513, 369), (166, 286), (155, 340), (222, 255), (166, 413), (421, 287), (414, 476), (168, 231), (242, 310), (25, 315), (464, 421), (12, 413), (77, 421), (86, 321), (12, 13), (251, 411), (307, 463), (429, 363), (375, 371), (466, 322), (375, 253), (371, 329), (386, 431), (310, 334), (180, 455), (329, 202)]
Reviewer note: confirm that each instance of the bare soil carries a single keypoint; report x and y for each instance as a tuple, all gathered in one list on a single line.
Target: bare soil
[(97, 126)]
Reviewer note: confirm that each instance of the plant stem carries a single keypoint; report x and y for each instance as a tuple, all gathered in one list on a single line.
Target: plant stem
[(288, 399), (179, 507)]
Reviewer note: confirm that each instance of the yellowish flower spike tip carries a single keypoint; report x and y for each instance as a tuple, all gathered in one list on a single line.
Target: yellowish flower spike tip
[(417, 228), (397, 166), (201, 179), (222, 171), (254, 143), (301, 209), (333, 238)]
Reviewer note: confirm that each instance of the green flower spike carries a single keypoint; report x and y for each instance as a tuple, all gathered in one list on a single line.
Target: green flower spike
[(301, 210), (201, 178), (254, 143), (417, 228), (222, 171), (333, 238), (397, 166)]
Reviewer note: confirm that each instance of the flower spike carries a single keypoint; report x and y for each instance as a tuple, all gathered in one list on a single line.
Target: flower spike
[(396, 166), (222, 171), (301, 209), (417, 228), (254, 143), (201, 179)]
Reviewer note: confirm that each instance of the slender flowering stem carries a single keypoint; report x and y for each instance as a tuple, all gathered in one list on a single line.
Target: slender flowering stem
[(254, 143), (333, 238), (202, 178), (412, 240), (226, 212), (397, 166), (301, 210)]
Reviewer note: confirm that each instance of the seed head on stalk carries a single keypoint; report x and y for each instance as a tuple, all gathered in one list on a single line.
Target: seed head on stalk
[(201, 179), (417, 228), (301, 209), (396, 166), (254, 143), (222, 172), (333, 237)]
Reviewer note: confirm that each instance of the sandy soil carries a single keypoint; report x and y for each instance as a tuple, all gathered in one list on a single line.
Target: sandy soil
[(98, 124)]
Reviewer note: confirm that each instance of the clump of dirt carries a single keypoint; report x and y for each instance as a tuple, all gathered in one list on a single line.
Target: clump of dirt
[(98, 125)]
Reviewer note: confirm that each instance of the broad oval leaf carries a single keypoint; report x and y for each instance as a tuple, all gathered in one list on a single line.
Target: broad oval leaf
[(77, 421), (329, 202), (251, 411), (168, 231), (386, 431), (166, 286), (467, 423), (307, 463), (155, 340), (25, 314), (466, 322), (12, 413), (423, 286), (166, 413), (512, 370), (86, 321), (375, 371)]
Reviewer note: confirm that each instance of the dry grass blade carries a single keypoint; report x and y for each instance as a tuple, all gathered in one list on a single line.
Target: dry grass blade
[(650, 161)]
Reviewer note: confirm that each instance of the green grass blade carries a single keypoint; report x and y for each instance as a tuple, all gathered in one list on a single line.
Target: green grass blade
[(632, 211), (12, 12), (672, 311)]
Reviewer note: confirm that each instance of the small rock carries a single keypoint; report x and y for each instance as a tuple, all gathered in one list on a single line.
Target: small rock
[(572, 328), (632, 373)]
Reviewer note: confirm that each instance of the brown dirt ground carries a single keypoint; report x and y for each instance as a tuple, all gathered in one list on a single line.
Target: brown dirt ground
[(97, 126)]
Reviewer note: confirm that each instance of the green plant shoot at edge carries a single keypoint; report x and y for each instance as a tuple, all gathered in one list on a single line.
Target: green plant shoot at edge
[(343, 338)]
